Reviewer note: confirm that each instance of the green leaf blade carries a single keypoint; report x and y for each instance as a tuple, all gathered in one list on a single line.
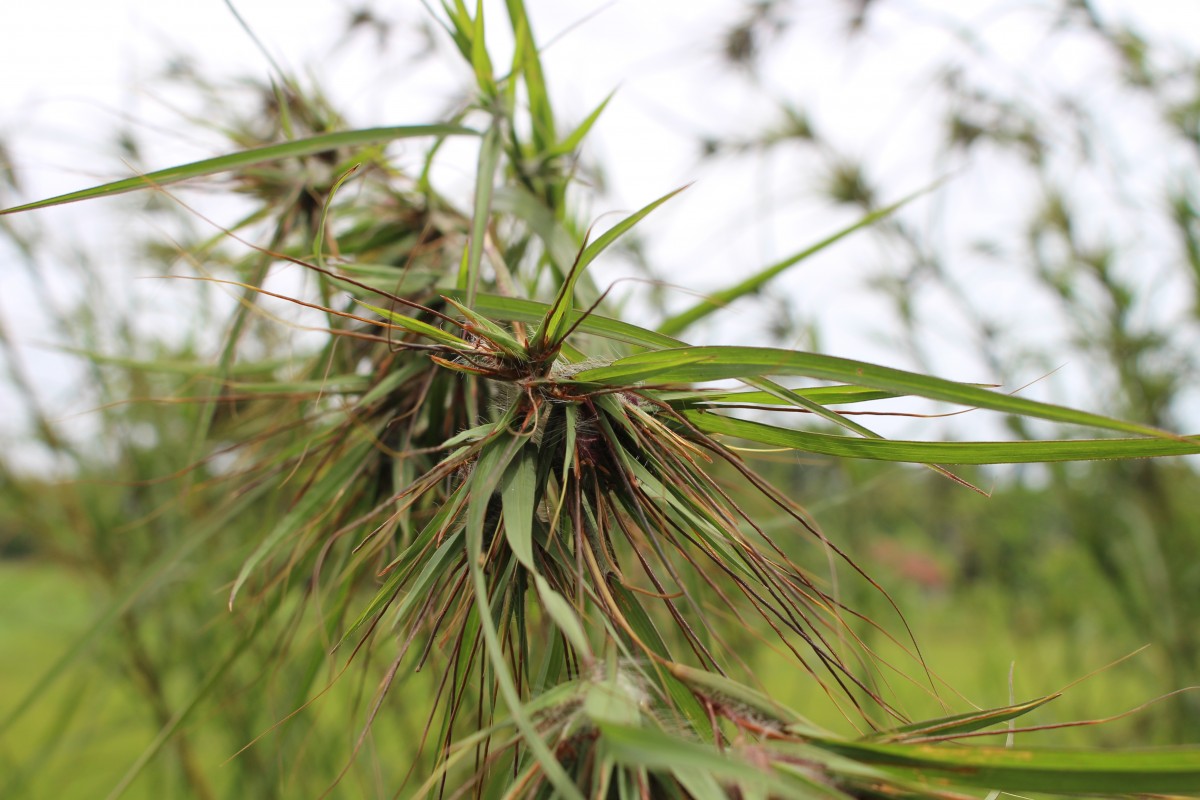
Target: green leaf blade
[(517, 494), (554, 325), (565, 618), (1105, 772), (572, 141), (246, 158), (413, 325), (718, 300), (698, 364), (961, 723), (917, 452)]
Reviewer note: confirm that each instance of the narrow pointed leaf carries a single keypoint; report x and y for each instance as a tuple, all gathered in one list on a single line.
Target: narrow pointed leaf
[(417, 326), (460, 26), (470, 435), (635, 614), (1027, 452), (177, 366), (318, 251), (1106, 772), (696, 364), (961, 723), (496, 334), (532, 311), (554, 324), (435, 567), (573, 140), (825, 395), (717, 300), (480, 60), (541, 112), (258, 155), (712, 684), (485, 180), (804, 403)]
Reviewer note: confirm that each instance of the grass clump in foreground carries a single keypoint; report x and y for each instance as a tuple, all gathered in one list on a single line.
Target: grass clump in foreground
[(535, 503)]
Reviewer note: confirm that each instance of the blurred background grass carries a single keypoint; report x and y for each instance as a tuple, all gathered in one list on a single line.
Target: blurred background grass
[(987, 585)]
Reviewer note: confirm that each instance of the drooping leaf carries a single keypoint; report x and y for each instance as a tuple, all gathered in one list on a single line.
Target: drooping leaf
[(517, 493), (564, 616), (494, 457)]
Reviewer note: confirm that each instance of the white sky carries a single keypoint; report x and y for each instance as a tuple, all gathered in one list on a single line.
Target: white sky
[(71, 71)]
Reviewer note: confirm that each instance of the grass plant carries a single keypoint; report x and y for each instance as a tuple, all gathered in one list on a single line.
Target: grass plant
[(495, 526)]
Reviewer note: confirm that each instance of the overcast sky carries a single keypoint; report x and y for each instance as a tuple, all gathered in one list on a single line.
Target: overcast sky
[(72, 72)]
